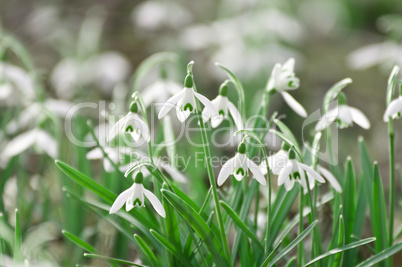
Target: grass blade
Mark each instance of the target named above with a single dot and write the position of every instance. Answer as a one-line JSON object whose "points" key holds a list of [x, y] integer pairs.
{"points": [[18, 257], [79, 242], [289, 247], [170, 247], [341, 249], [381, 256], [241, 225], [112, 260], [147, 251]]}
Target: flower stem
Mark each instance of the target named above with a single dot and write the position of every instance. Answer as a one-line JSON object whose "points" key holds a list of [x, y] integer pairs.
{"points": [[212, 182], [392, 181], [300, 248]]}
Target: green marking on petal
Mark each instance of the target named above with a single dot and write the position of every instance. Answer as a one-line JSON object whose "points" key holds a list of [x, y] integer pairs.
{"points": [[296, 176], [221, 112], [290, 84], [129, 128], [240, 170], [189, 107], [137, 201]]}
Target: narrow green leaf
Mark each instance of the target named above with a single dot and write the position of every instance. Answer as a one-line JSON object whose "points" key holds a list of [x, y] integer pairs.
{"points": [[288, 140], [381, 256], [341, 249], [380, 222], [341, 242], [86, 182], [349, 199], [18, 257], [392, 80], [76, 240], [241, 225], [112, 260], [174, 250], [334, 91], [287, 132], [147, 251], [291, 245], [199, 225]]}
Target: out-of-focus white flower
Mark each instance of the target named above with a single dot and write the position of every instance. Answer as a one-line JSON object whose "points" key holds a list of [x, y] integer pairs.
{"points": [[13, 77], [185, 102], [154, 15], [114, 153], [43, 141], [65, 77], [133, 124], [224, 107], [160, 91], [239, 167], [36, 111], [134, 197], [284, 79], [394, 109], [294, 172], [345, 114], [277, 161]]}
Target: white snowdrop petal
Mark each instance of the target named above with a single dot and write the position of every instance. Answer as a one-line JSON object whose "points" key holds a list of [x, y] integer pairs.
{"points": [[121, 199], [311, 172], [327, 119], [143, 128], [330, 178], [296, 106], [345, 114], [19, 144], [276, 76], [107, 165], [289, 65], [359, 118], [47, 143], [256, 171], [235, 115], [284, 173], [95, 153], [289, 183], [226, 170], [155, 202], [170, 103], [263, 167], [393, 108], [205, 101], [116, 128]]}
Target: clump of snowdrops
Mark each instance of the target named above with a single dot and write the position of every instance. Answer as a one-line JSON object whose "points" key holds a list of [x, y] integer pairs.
{"points": [[242, 218]]}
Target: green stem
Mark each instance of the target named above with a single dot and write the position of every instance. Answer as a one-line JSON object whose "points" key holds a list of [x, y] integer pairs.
{"points": [[300, 247], [392, 181]]}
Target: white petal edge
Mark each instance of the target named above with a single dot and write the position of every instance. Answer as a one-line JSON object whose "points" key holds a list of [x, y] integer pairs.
{"points": [[327, 119], [115, 130], [296, 106], [393, 108], [235, 115], [330, 178], [256, 171], [121, 199], [155, 202], [312, 172], [284, 173], [359, 118], [226, 170], [207, 103], [170, 103], [19, 144]]}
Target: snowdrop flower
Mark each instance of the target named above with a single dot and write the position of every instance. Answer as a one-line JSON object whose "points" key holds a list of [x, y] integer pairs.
{"points": [[345, 114], [43, 141], [330, 178], [277, 161], [134, 197], [295, 172], [185, 102], [284, 79], [224, 107], [394, 109], [13, 78], [133, 124], [239, 166], [160, 91], [114, 153]]}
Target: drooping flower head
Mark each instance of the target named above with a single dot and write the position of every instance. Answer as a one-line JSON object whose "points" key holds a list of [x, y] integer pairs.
{"points": [[394, 109], [284, 79], [239, 167], [344, 114], [277, 161], [296, 172], [224, 107], [132, 124], [185, 102], [134, 197]]}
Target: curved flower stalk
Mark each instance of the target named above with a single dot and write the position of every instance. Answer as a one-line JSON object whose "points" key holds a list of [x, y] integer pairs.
{"points": [[239, 167], [185, 102], [345, 114], [132, 124], [134, 197], [38, 138], [295, 172], [224, 107], [284, 79], [394, 109]]}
